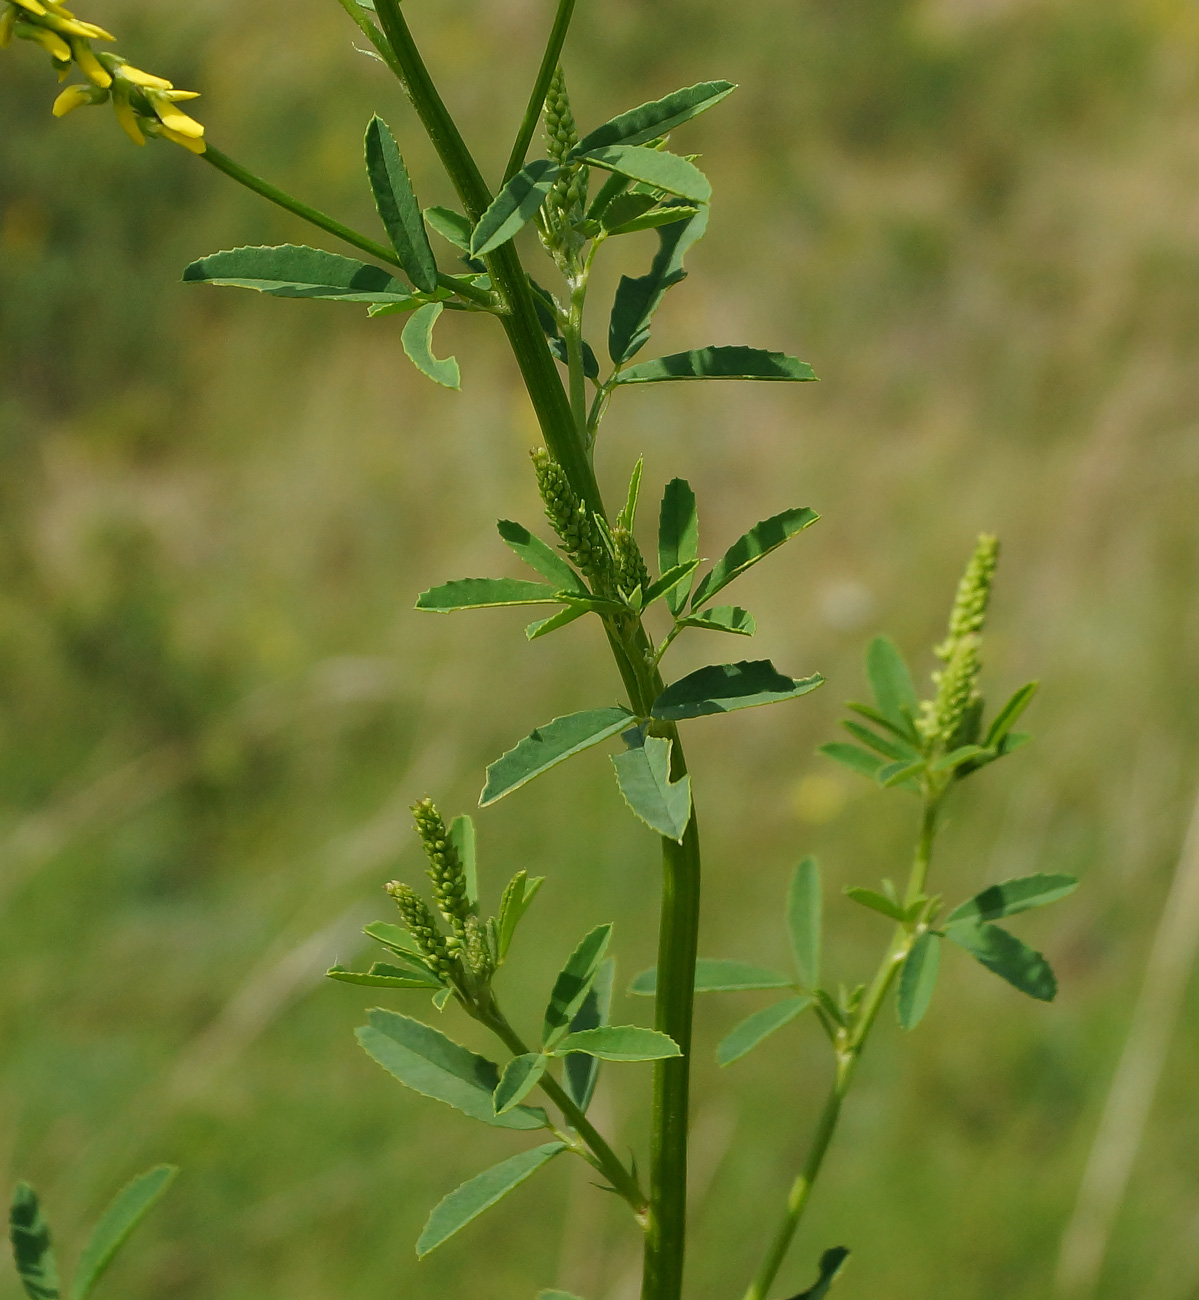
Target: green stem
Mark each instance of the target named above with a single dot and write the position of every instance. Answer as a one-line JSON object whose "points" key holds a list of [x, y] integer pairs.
{"points": [[545, 74], [573, 334]]}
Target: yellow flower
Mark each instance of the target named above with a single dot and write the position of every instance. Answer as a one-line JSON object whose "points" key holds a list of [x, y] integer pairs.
{"points": [[163, 103], [88, 64], [75, 97], [51, 42]]}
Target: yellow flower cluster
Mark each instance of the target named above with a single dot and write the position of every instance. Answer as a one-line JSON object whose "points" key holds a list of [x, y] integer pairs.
{"points": [[144, 104]]}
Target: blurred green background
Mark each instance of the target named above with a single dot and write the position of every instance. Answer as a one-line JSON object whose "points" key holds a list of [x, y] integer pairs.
{"points": [[978, 220]]}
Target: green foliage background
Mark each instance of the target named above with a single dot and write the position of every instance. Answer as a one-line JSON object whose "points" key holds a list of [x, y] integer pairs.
{"points": [[976, 218]]}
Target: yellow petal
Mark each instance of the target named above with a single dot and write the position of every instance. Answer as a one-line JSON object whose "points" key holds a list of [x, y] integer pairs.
{"points": [[89, 65], [176, 95], [51, 42], [173, 118], [146, 79], [128, 119], [196, 145], [33, 6], [8, 20], [72, 98]]}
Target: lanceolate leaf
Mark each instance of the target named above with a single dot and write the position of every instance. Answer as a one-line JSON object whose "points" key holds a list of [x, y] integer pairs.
{"points": [[295, 271], [417, 338], [853, 756], [392, 936], [670, 583], [1004, 954], [648, 121], [716, 975], [831, 1263], [751, 1031], [719, 363], [628, 516], [643, 773], [627, 207], [521, 1075], [892, 684], [876, 902], [620, 1043], [398, 208], [678, 536], [580, 1070], [428, 1062], [514, 904], [513, 206], [1006, 718], [653, 219], [462, 837], [382, 975], [544, 626], [548, 746], [131, 1205], [537, 555], [637, 299], [889, 746], [573, 984], [753, 546], [481, 1193], [723, 618], [484, 593], [665, 171], [30, 1236], [721, 688], [452, 226], [804, 921], [918, 979], [1013, 896]]}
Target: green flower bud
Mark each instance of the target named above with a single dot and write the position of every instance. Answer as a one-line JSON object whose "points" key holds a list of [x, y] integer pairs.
{"points": [[561, 135], [581, 536], [631, 571], [423, 928], [479, 957], [445, 867], [973, 595], [957, 696]]}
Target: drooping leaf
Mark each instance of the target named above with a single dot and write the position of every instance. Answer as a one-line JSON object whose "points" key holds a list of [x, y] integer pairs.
{"points": [[665, 171], [428, 1062], [132, 1203], [540, 556], [573, 984], [670, 584], [649, 121], [643, 774], [296, 271], [831, 1263], [892, 684], [397, 205], [580, 1070], [723, 618], [638, 299], [467, 1202], [550, 745], [394, 937], [747, 550], [804, 920], [452, 226], [462, 837], [718, 975], [719, 363], [513, 206], [876, 902], [1012, 896], [32, 1253], [417, 338], [521, 1075], [544, 626], [1004, 954], [519, 893], [721, 688], [678, 537], [620, 1043], [918, 979], [752, 1030], [485, 593], [1006, 718], [382, 975], [853, 756]]}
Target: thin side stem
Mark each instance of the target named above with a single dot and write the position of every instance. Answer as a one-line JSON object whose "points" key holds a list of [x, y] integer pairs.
{"points": [[545, 74]]}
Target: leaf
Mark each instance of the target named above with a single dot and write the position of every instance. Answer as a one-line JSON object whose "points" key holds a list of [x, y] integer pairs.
{"points": [[918, 979], [628, 515], [877, 902], [669, 583], [903, 733], [638, 299], [852, 756], [620, 1043], [751, 1031], [452, 226], [717, 975], [397, 205], [654, 218], [590, 361], [417, 338], [462, 837], [719, 363], [648, 121], [831, 1263], [467, 1202], [678, 536], [513, 206], [428, 1062], [804, 909], [32, 1253], [610, 190], [643, 774], [519, 893], [547, 625], [892, 684], [296, 271], [899, 773], [521, 1075], [394, 937], [556, 1295], [485, 593], [381, 975], [573, 983], [626, 207], [1004, 954], [131, 1204], [955, 758], [747, 550], [723, 618], [665, 171], [1006, 718], [580, 1070], [549, 745], [1013, 896], [721, 688], [896, 750], [538, 555]]}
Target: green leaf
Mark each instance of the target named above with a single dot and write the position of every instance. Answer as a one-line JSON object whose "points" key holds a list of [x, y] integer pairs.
{"points": [[678, 537], [896, 750], [751, 1031], [428, 1062], [670, 584], [853, 756], [397, 205], [550, 745], [609, 191], [543, 627], [892, 685], [381, 975], [877, 902], [1006, 718], [295, 271], [590, 360], [804, 909], [654, 218], [831, 1263], [462, 837], [721, 688], [627, 207], [723, 618], [649, 121], [643, 774], [485, 593], [573, 983], [467, 1202], [417, 338], [519, 893], [521, 1075], [719, 363], [452, 226], [899, 773], [952, 761], [541, 557], [665, 171], [628, 516], [30, 1236], [903, 733], [918, 979], [747, 550], [394, 937], [513, 206], [620, 1043], [581, 1070], [717, 975], [1004, 954], [132, 1203], [638, 299], [1012, 896], [556, 1295]]}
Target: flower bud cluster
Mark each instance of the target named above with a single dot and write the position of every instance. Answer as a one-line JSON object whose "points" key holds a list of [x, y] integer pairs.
{"points": [[565, 202], [581, 536], [477, 948], [445, 868], [631, 570], [419, 921], [973, 595]]}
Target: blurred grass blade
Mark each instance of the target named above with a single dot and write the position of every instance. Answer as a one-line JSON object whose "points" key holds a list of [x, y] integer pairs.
{"points": [[417, 339], [649, 121], [754, 1029], [748, 549], [620, 1043], [573, 982], [33, 1255], [549, 745], [678, 537], [131, 1205], [513, 206], [717, 975], [581, 1070], [1004, 954], [643, 774], [719, 363], [918, 979], [397, 205], [296, 271], [722, 688], [804, 921], [1013, 896]]}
